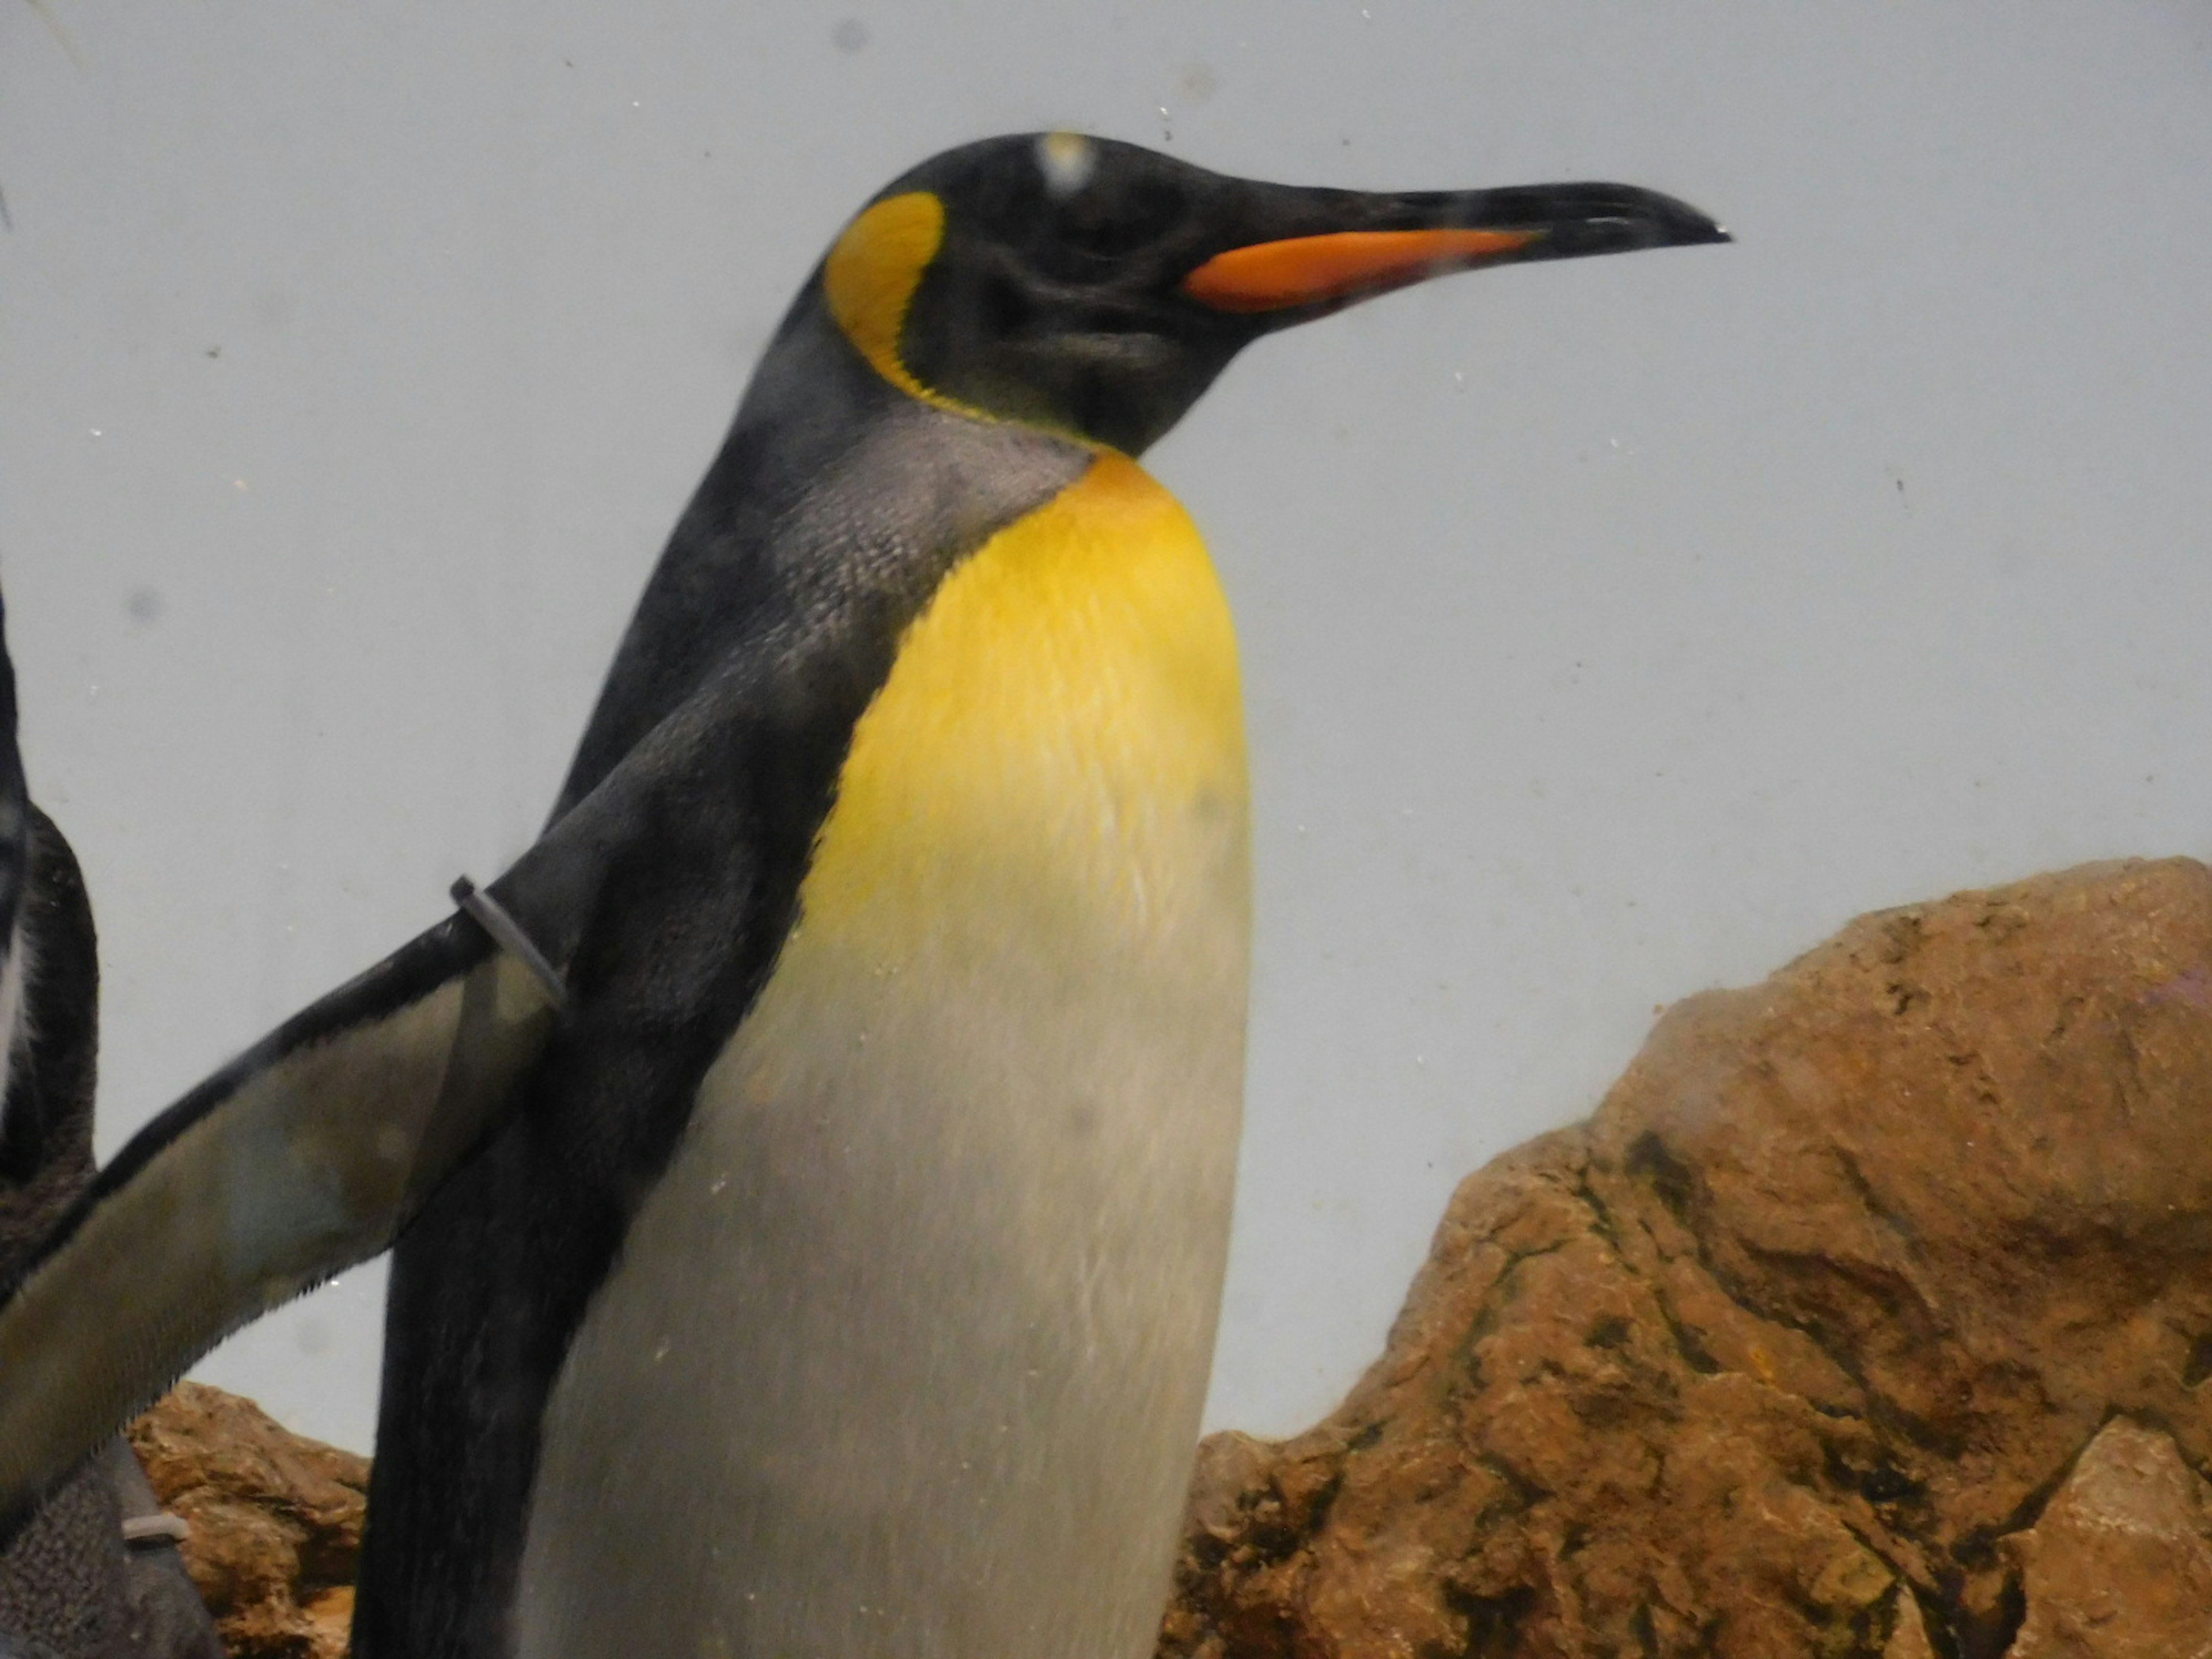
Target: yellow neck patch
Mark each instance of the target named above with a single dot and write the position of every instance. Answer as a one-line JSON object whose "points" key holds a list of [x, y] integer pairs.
{"points": [[871, 275]]}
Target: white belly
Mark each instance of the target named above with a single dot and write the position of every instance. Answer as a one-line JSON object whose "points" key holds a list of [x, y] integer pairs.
{"points": [[906, 1352]]}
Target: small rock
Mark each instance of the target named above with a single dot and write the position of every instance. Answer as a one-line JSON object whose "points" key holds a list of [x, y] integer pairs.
{"points": [[2120, 1565], [1908, 1634], [276, 1521]]}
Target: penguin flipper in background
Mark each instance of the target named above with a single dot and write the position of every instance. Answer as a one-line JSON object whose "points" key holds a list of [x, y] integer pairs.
{"points": [[302, 1157]]}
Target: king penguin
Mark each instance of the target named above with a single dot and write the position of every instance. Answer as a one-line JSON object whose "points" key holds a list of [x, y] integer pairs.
{"points": [[93, 1572], [815, 1154]]}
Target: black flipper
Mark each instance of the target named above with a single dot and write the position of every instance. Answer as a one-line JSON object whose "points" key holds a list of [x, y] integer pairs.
{"points": [[302, 1157], [298, 1160]]}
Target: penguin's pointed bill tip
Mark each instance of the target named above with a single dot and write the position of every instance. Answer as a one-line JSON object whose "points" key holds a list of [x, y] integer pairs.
{"points": [[1407, 240]]}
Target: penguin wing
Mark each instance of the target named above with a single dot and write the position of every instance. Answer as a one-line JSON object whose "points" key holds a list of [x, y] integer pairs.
{"points": [[299, 1159]]}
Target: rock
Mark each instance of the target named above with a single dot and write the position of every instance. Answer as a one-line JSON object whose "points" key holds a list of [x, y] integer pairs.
{"points": [[2120, 1562], [1908, 1634], [276, 1521], [1831, 1334]]}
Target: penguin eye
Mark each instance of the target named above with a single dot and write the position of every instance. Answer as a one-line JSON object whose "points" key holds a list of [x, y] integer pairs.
{"points": [[1111, 224]]}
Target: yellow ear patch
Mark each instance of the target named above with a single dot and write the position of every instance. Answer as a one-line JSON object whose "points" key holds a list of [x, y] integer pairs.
{"points": [[871, 275]]}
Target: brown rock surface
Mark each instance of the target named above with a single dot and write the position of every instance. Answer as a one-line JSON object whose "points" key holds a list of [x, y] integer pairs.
{"points": [[2120, 1562], [276, 1521], [1804, 1343]]}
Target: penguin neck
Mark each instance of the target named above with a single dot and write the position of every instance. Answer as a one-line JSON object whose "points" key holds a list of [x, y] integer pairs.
{"points": [[835, 507]]}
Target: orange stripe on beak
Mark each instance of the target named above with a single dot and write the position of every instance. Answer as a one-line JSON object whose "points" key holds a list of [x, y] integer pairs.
{"points": [[1307, 269]]}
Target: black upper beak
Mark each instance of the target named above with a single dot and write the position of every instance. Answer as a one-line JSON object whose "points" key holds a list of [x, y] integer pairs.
{"points": [[1297, 249], [1574, 220]]}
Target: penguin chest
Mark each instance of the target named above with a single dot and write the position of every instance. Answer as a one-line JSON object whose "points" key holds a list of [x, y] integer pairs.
{"points": [[905, 1354]]}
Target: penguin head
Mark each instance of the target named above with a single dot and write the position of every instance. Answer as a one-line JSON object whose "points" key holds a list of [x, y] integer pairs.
{"points": [[1096, 289]]}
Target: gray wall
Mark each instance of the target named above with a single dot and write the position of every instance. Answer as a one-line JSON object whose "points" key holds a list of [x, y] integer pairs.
{"points": [[1612, 630]]}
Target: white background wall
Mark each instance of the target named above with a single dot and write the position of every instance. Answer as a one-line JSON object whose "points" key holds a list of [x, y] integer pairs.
{"points": [[1612, 629]]}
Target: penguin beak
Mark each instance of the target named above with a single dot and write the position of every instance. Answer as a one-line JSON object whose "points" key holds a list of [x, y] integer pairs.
{"points": [[1385, 242]]}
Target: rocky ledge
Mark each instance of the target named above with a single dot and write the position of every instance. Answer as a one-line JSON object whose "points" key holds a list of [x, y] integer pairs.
{"points": [[1871, 1315]]}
